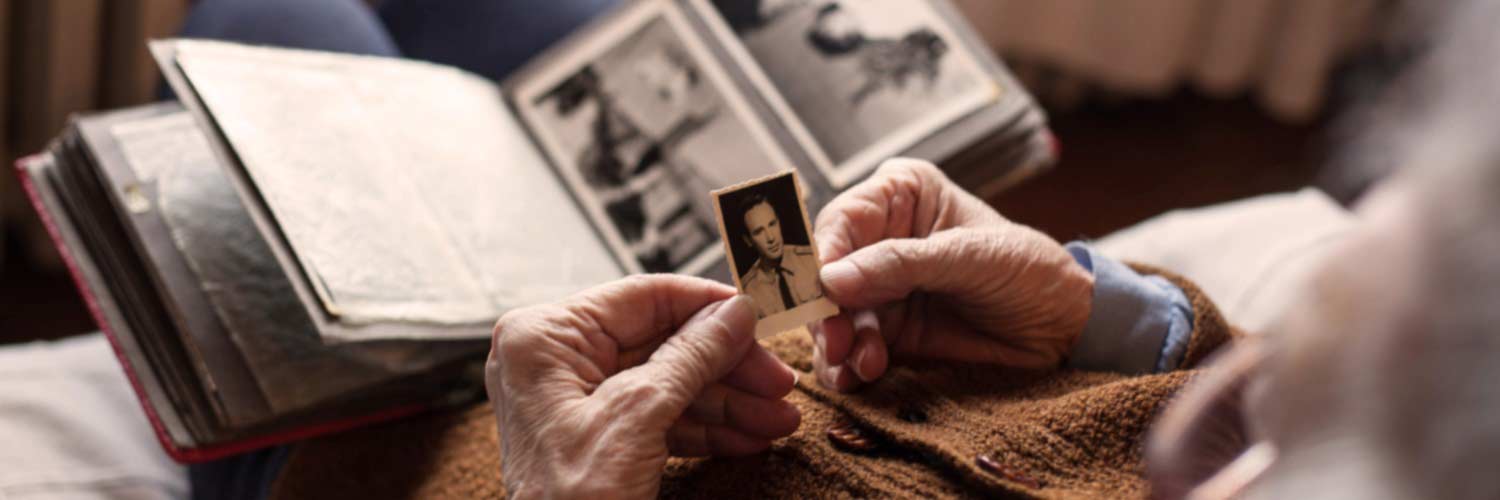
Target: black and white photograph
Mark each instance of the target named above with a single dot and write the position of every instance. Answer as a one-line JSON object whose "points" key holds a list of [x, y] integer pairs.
{"points": [[856, 81], [768, 241], [642, 123]]}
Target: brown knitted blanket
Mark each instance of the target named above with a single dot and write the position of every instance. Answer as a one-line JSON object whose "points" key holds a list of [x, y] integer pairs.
{"points": [[921, 431]]}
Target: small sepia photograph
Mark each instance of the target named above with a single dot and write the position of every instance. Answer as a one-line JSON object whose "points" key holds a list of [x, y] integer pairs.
{"points": [[855, 81], [641, 122], [768, 241]]}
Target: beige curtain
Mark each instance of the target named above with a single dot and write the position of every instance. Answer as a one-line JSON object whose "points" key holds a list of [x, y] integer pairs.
{"points": [[60, 57], [1279, 51]]}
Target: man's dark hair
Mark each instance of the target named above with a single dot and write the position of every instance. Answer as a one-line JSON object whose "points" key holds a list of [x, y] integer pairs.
{"points": [[751, 201]]}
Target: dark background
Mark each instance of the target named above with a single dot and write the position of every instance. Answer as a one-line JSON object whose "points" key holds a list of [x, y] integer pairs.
{"points": [[782, 193]]}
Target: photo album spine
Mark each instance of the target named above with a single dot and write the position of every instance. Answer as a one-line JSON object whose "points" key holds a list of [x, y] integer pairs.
{"points": [[24, 171], [138, 371]]}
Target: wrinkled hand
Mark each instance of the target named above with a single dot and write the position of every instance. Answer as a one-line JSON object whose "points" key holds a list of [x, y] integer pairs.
{"points": [[594, 392], [923, 269]]}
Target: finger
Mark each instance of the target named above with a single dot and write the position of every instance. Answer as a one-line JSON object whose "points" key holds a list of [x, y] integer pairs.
{"points": [[837, 377], [641, 311], [950, 262], [949, 338], [834, 337], [883, 206], [905, 198], [612, 326], [762, 374], [704, 350], [961, 344], [870, 357], [744, 412], [692, 439]]}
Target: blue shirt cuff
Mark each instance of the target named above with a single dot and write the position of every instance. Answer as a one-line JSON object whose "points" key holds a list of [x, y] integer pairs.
{"points": [[1138, 324]]}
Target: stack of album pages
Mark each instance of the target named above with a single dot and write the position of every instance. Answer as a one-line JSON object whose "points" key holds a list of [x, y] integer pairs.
{"points": [[306, 241]]}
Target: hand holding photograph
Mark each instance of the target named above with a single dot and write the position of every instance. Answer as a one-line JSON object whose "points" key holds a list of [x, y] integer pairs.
{"points": [[768, 241]]}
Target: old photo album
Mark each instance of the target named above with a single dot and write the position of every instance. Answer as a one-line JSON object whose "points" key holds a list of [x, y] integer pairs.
{"points": [[304, 242]]}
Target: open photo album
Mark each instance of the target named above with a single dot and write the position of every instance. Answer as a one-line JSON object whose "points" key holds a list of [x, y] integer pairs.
{"points": [[306, 242]]}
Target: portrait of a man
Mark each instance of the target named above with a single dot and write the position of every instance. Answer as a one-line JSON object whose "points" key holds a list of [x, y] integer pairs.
{"points": [[768, 242], [783, 275]]}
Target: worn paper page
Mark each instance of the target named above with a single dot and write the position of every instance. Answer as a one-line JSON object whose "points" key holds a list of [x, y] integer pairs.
{"points": [[252, 298], [406, 190]]}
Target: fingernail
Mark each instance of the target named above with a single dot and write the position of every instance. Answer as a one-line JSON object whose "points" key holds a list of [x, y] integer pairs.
{"points": [[821, 349], [839, 275], [828, 377], [790, 370], [860, 367]]}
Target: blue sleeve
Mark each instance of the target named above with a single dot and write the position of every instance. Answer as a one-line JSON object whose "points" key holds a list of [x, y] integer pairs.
{"points": [[1138, 324]]}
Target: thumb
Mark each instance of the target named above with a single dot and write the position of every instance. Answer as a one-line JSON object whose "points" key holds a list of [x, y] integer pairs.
{"points": [[706, 348], [954, 262]]}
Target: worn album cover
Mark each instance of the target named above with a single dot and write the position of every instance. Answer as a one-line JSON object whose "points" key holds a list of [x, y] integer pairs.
{"points": [[400, 199]]}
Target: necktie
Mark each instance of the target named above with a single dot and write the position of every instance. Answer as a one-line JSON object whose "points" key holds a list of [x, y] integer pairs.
{"points": [[786, 294]]}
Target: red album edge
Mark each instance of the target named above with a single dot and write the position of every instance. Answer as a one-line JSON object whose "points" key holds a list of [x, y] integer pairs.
{"points": [[181, 454]]}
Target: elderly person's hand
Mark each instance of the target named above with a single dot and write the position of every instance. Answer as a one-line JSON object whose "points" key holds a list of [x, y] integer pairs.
{"points": [[594, 392], [924, 270]]}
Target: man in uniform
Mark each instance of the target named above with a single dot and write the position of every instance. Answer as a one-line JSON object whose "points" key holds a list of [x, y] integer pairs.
{"points": [[784, 276]]}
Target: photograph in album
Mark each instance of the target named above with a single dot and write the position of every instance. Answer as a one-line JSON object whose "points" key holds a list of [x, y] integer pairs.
{"points": [[641, 125], [855, 81]]}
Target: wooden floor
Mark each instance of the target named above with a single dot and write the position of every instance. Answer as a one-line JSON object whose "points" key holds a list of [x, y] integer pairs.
{"points": [[1121, 162]]}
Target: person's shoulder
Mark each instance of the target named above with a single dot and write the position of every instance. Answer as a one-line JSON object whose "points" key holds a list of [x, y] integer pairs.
{"points": [[801, 257], [801, 253], [754, 272]]}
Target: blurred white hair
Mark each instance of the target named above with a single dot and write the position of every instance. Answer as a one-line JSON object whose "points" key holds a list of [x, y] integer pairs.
{"points": [[1418, 404]]}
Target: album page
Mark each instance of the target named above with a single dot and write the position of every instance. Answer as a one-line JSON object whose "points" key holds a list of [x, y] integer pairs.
{"points": [[854, 82], [642, 120], [406, 191]]}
